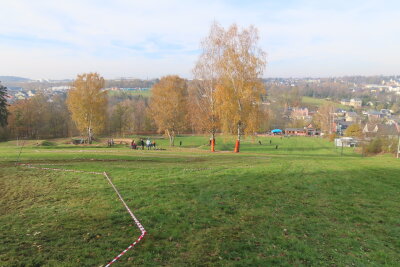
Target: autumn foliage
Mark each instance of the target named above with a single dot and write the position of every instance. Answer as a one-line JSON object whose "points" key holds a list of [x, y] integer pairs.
{"points": [[224, 97], [87, 103], [354, 130], [168, 106], [229, 86]]}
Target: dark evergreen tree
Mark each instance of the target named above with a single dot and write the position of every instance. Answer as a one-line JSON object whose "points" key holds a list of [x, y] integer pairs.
{"points": [[3, 106]]}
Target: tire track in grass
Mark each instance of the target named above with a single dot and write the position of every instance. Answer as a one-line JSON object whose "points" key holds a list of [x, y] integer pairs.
{"points": [[104, 174]]}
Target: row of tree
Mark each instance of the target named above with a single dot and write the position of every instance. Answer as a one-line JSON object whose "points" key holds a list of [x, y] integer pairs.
{"points": [[44, 116], [225, 96]]}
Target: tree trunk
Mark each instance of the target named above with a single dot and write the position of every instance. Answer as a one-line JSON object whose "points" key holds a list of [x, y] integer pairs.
{"points": [[237, 145], [213, 142], [171, 135], [89, 135]]}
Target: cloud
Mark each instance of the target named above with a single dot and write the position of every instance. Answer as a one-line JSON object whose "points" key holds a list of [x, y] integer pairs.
{"points": [[58, 39]]}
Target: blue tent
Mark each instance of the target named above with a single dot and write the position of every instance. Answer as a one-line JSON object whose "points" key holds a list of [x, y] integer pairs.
{"points": [[276, 131]]}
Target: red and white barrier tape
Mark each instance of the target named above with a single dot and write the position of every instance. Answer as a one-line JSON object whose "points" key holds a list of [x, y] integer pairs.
{"points": [[137, 222], [139, 225]]}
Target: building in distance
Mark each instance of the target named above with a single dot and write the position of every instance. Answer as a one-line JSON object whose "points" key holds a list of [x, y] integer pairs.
{"points": [[354, 102]]}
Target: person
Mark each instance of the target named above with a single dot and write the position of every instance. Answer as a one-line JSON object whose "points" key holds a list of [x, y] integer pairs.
{"points": [[134, 146], [142, 143], [148, 144], [154, 145], [133, 141]]}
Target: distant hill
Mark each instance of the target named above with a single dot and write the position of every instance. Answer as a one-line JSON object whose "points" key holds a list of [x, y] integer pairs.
{"points": [[8, 79]]}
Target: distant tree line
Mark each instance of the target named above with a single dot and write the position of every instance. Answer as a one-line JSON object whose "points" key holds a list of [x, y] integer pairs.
{"points": [[130, 83], [330, 90]]}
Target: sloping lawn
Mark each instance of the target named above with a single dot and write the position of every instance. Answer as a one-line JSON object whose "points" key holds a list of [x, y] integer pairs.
{"points": [[300, 204]]}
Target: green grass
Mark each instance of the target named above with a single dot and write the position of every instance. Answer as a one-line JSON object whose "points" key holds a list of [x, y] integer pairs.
{"points": [[144, 93], [300, 204], [317, 102]]}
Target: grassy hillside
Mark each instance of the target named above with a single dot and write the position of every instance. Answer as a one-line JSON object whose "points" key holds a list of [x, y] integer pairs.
{"points": [[316, 102], [300, 204], [130, 93]]}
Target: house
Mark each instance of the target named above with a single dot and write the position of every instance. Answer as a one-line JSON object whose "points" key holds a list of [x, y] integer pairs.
{"points": [[378, 129], [312, 131], [296, 131], [386, 113], [20, 95], [345, 142], [340, 112], [374, 115], [341, 126], [354, 102], [300, 113], [393, 121], [351, 116], [31, 93], [369, 103], [345, 102]]}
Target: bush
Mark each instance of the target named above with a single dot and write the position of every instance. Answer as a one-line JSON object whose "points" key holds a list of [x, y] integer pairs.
{"points": [[390, 145], [332, 137], [47, 143], [375, 146], [354, 130]]}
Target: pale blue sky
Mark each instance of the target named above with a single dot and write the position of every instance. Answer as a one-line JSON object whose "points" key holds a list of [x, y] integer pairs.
{"points": [[58, 39]]}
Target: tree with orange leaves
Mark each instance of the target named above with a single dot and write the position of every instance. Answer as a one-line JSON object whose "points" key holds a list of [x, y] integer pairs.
{"points": [[87, 103], [168, 106], [228, 88], [238, 93]]}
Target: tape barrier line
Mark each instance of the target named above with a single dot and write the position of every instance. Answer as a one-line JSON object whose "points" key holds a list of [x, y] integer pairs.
{"points": [[137, 222]]}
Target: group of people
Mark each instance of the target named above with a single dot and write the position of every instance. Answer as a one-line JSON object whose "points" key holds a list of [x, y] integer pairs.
{"points": [[149, 144]]}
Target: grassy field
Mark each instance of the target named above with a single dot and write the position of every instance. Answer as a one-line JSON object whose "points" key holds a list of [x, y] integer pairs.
{"points": [[144, 93], [300, 204], [316, 102]]}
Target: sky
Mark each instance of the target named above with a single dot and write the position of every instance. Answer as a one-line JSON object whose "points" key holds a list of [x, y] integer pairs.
{"points": [[149, 39]]}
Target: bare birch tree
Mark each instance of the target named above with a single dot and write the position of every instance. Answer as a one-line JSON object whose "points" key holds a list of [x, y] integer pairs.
{"points": [[206, 74]]}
